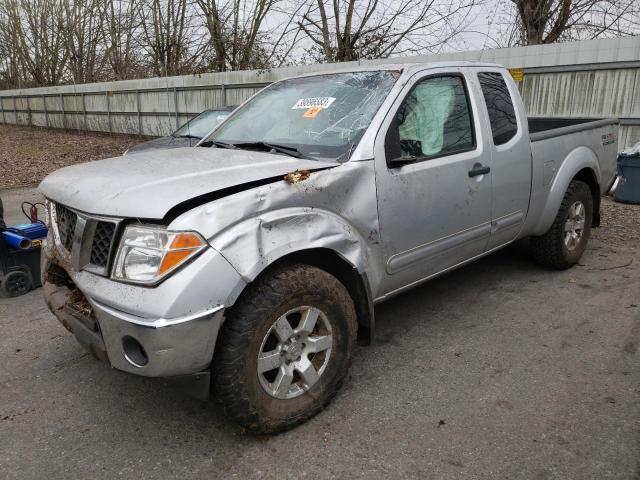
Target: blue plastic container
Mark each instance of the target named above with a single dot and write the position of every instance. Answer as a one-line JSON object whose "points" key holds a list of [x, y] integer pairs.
{"points": [[629, 190], [16, 241], [32, 231]]}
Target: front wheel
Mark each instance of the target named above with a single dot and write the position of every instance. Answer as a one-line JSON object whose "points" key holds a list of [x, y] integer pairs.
{"points": [[285, 348], [565, 242]]}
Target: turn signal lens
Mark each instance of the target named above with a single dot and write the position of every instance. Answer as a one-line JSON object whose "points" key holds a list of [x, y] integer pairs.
{"points": [[173, 259], [186, 240]]}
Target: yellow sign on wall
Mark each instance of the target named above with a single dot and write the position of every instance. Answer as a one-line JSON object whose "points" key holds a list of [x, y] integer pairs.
{"points": [[517, 74]]}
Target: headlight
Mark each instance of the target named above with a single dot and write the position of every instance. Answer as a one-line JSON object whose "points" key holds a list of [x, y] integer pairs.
{"points": [[147, 254]]}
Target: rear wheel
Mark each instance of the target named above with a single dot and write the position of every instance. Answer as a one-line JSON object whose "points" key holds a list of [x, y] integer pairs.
{"points": [[285, 348], [565, 242]]}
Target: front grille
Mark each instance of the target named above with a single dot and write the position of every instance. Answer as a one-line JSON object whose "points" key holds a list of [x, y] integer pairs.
{"points": [[101, 246], [96, 239], [66, 223]]}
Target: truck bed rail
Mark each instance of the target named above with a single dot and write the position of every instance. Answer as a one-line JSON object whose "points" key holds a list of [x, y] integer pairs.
{"points": [[541, 128]]}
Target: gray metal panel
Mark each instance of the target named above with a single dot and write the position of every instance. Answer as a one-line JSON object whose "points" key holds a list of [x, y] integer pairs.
{"points": [[629, 136], [200, 99], [123, 123], [123, 102], [604, 93]]}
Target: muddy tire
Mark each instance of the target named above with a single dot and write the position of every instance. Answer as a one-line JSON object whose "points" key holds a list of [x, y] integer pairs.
{"points": [[285, 348], [565, 242]]}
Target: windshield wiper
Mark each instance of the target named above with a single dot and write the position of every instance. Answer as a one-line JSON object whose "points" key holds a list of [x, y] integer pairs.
{"points": [[188, 136], [216, 143], [291, 151]]}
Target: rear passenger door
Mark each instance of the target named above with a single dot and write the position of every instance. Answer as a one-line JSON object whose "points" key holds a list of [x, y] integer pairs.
{"points": [[510, 155]]}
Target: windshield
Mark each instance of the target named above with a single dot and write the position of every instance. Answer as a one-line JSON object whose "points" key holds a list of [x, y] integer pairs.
{"points": [[202, 124], [322, 116]]}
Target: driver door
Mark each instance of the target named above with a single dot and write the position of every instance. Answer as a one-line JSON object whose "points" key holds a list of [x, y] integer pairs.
{"points": [[433, 180]]}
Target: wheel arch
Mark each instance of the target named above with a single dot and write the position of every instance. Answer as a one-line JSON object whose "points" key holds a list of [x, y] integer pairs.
{"points": [[588, 176], [357, 283], [580, 164]]}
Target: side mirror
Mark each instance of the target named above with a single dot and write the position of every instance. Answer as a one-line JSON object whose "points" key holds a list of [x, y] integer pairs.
{"points": [[395, 149]]}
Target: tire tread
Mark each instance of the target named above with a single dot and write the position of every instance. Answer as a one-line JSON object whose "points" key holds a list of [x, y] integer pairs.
{"points": [[236, 334], [547, 249]]}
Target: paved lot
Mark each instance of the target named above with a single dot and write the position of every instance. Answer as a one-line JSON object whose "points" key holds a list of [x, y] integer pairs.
{"points": [[498, 370]]}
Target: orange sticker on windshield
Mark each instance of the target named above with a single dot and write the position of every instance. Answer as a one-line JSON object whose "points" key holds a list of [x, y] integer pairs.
{"points": [[312, 112]]}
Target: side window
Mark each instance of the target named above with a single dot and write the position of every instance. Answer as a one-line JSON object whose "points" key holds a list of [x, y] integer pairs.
{"points": [[502, 116], [433, 120]]}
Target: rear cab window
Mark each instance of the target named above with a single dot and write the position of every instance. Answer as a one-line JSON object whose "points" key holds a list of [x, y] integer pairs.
{"points": [[502, 115]]}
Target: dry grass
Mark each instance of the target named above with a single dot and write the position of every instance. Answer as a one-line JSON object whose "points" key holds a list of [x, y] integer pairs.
{"points": [[28, 154]]}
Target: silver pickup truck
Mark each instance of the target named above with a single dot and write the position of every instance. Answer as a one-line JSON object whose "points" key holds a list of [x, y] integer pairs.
{"points": [[249, 265]]}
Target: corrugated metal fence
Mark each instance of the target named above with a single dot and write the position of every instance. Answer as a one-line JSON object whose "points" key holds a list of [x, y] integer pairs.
{"points": [[142, 111], [597, 78]]}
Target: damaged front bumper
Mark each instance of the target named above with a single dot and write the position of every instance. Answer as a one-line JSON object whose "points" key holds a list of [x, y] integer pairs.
{"points": [[153, 348], [166, 331]]}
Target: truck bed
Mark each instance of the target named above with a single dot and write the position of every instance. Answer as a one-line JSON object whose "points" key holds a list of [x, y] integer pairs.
{"points": [[556, 143]]}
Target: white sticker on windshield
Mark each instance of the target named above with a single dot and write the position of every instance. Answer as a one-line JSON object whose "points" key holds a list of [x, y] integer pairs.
{"points": [[320, 102]]}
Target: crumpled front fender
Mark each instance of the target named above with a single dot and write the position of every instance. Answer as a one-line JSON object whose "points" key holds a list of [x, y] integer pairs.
{"points": [[254, 244], [333, 209]]}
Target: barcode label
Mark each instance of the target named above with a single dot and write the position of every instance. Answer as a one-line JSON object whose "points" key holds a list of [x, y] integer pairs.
{"points": [[321, 102]]}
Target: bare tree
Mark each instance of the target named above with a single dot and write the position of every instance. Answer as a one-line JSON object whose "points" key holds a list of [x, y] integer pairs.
{"points": [[353, 29], [239, 34], [122, 31], [37, 33], [169, 38], [11, 73], [548, 21], [84, 39]]}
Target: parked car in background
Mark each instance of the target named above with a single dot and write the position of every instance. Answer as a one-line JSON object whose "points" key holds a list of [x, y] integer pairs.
{"points": [[252, 261], [189, 134]]}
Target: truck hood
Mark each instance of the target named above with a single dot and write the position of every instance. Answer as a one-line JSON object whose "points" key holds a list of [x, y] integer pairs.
{"points": [[162, 143], [149, 184]]}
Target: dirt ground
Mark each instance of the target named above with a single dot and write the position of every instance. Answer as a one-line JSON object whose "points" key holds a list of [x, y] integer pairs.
{"points": [[27, 154]]}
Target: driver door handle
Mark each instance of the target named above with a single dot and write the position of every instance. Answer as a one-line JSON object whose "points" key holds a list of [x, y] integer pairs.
{"points": [[478, 169]]}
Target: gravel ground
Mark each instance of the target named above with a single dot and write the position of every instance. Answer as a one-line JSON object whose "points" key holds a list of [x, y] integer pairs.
{"points": [[29, 154], [620, 223]]}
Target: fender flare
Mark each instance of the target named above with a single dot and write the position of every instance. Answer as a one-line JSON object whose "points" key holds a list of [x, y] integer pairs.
{"points": [[578, 159]]}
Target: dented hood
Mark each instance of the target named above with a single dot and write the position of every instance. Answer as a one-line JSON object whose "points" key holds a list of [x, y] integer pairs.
{"points": [[149, 184]]}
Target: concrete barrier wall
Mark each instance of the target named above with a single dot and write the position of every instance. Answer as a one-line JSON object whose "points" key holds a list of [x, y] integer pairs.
{"points": [[597, 78]]}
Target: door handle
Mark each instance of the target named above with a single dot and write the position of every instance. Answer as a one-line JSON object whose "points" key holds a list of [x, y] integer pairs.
{"points": [[478, 169]]}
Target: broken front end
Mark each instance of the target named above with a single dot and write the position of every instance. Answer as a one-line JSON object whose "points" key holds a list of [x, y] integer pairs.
{"points": [[124, 293]]}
